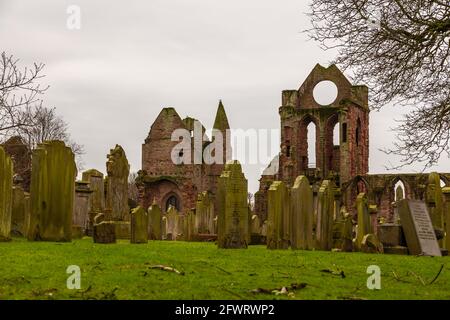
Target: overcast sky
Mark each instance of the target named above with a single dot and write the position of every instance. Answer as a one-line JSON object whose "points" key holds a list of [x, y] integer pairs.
{"points": [[110, 79]]}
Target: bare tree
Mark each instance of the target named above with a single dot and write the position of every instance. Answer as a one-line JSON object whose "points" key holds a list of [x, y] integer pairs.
{"points": [[43, 125], [19, 91], [133, 193], [401, 50]]}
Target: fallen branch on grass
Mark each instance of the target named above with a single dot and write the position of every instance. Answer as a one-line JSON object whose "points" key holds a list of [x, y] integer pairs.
{"points": [[165, 268], [437, 276], [282, 290]]}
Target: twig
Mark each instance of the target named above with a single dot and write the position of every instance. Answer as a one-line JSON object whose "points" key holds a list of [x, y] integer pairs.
{"points": [[165, 268], [417, 277], [437, 276]]}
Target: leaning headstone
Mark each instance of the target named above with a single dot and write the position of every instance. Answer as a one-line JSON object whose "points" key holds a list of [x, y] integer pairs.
{"points": [[418, 228], [52, 192], [325, 212], [116, 184], [364, 219], [301, 201], [6, 181], [278, 233], [154, 215], [233, 209], [81, 206], [139, 225], [446, 193], [20, 217]]}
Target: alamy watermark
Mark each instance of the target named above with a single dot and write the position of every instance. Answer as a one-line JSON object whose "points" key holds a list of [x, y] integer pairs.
{"points": [[74, 280]]}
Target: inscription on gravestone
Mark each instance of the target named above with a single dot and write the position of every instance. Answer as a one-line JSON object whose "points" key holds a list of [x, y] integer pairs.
{"points": [[418, 229]]}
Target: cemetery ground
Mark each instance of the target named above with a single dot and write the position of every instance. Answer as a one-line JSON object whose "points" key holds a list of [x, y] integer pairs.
{"points": [[37, 270]]}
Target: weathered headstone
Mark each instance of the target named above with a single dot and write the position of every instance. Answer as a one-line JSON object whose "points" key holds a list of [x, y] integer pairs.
{"points": [[256, 225], [180, 227], [204, 212], [139, 225], [435, 201], [446, 193], [81, 206], [233, 210], [6, 180], [189, 225], [154, 215], [371, 244], [164, 228], [278, 233], [116, 184], [20, 219], [97, 197], [52, 192], [123, 230], [171, 216], [302, 216], [325, 212], [104, 232], [418, 228], [364, 219]]}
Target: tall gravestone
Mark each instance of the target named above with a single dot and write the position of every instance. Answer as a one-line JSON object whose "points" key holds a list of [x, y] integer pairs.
{"points": [[6, 180], [204, 213], [278, 215], [325, 212], [97, 197], [435, 201], [81, 208], [20, 217], [302, 216], [139, 225], [364, 220], [446, 193], [418, 228], [172, 230], [189, 225], [233, 210], [116, 185], [52, 192], [154, 215]]}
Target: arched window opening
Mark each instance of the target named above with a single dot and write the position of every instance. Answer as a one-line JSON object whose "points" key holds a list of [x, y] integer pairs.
{"points": [[443, 184], [311, 145], [336, 135], [399, 191], [172, 201]]}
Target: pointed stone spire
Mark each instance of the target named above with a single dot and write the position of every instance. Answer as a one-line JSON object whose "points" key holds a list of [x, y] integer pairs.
{"points": [[221, 121]]}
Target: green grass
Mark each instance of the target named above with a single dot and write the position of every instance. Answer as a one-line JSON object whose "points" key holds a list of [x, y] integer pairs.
{"points": [[37, 270]]}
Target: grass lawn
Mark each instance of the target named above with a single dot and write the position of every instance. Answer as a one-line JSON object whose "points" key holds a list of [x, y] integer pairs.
{"points": [[37, 270]]}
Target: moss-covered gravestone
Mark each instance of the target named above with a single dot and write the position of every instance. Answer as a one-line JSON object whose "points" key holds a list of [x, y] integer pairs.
{"points": [[139, 225], [233, 210], [20, 219], [6, 179], [446, 193], [116, 185], [52, 192], [97, 197], [278, 215], [364, 220], [154, 216], [302, 216], [189, 225], [325, 212], [172, 223], [164, 227], [435, 201], [204, 213]]}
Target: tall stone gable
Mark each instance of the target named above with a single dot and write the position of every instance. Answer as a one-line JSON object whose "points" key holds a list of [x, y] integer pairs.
{"points": [[169, 183]]}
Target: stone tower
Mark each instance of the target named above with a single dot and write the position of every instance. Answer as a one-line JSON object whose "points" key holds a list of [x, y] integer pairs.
{"points": [[349, 111]]}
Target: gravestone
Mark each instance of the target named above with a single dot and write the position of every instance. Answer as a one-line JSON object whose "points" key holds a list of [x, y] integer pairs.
{"points": [[164, 227], [302, 216], [123, 229], [154, 215], [232, 207], [204, 213], [97, 197], [278, 233], [418, 228], [116, 185], [325, 212], [20, 214], [6, 193], [255, 225], [171, 216], [104, 232], [52, 192], [446, 193], [435, 201], [81, 206], [189, 225], [364, 219], [180, 227], [139, 225]]}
